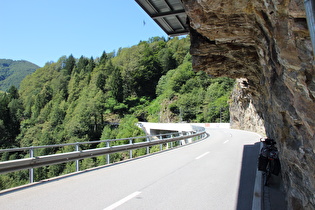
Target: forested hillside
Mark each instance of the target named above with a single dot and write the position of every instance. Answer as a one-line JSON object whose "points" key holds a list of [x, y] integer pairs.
{"points": [[75, 100], [13, 72]]}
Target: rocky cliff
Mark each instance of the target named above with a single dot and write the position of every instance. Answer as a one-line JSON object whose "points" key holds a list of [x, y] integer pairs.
{"points": [[266, 45]]}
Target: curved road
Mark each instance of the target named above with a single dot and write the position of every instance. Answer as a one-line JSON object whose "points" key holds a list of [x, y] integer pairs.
{"points": [[216, 173]]}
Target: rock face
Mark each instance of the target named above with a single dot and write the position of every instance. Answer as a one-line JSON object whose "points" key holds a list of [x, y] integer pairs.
{"points": [[266, 45]]}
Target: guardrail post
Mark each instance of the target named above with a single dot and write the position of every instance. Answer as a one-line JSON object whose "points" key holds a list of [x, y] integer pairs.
{"points": [[192, 139], [31, 171], [130, 151], [107, 156], [161, 145], [148, 148], [180, 141], [77, 161]]}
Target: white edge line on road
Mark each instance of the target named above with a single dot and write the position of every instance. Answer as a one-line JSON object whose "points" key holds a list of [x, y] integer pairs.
{"points": [[226, 141], [122, 201], [200, 156]]}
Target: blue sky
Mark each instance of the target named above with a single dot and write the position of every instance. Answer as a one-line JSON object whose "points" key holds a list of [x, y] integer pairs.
{"points": [[44, 30]]}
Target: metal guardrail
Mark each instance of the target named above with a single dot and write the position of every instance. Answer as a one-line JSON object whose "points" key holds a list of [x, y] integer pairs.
{"points": [[34, 162]]}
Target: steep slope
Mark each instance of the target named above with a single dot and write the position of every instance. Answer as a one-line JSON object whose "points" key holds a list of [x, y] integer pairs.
{"points": [[79, 100], [13, 72]]}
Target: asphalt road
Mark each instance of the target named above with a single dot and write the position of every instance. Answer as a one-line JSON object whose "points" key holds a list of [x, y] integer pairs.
{"points": [[216, 173]]}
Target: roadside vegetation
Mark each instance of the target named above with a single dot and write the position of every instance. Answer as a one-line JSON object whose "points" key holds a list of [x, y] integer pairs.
{"points": [[85, 99]]}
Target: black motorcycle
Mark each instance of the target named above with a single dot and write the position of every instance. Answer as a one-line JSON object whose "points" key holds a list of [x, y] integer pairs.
{"points": [[268, 161]]}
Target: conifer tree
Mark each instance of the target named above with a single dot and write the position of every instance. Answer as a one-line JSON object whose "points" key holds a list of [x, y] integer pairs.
{"points": [[70, 64], [13, 92], [91, 65], [103, 58]]}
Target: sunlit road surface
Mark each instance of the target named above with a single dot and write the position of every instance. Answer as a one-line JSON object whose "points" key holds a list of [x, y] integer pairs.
{"points": [[216, 173]]}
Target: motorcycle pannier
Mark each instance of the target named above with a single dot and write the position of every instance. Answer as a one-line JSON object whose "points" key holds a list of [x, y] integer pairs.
{"points": [[262, 163], [277, 167]]}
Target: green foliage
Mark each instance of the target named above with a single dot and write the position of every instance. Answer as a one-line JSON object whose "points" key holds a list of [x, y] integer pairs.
{"points": [[127, 127], [69, 65], [185, 95], [14, 179], [85, 99], [11, 110], [13, 72]]}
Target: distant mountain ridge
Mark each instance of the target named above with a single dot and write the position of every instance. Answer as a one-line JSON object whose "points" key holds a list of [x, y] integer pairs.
{"points": [[13, 72]]}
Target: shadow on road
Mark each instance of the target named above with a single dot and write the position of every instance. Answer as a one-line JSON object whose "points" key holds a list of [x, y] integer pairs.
{"points": [[248, 175]]}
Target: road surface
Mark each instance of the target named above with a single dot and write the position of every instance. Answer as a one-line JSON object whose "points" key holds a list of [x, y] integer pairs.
{"points": [[216, 173]]}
